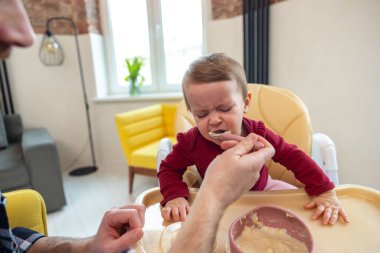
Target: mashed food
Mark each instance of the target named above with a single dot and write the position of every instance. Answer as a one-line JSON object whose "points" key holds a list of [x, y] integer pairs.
{"points": [[218, 133], [263, 239]]}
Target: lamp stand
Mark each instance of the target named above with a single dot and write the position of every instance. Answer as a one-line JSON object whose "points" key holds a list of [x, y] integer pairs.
{"points": [[87, 169]]}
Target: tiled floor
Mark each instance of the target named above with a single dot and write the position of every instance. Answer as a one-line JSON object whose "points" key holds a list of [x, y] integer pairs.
{"points": [[90, 196]]}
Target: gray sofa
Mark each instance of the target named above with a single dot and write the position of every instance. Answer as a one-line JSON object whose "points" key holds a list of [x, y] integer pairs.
{"points": [[31, 160]]}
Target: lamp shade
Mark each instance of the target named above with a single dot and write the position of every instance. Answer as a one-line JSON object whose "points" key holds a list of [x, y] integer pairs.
{"points": [[51, 52]]}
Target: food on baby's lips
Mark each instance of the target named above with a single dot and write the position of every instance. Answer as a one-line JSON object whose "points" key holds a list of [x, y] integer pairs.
{"points": [[216, 134]]}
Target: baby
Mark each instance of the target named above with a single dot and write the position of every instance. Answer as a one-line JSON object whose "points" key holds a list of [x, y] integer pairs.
{"points": [[215, 91]]}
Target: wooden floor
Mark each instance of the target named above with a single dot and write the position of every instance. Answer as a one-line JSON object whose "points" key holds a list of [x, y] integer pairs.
{"points": [[90, 196]]}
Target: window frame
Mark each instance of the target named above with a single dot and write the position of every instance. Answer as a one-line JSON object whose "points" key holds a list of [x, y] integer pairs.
{"points": [[157, 54]]}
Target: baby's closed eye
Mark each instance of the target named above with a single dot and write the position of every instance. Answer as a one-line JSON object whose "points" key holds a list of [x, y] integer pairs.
{"points": [[227, 109], [200, 114]]}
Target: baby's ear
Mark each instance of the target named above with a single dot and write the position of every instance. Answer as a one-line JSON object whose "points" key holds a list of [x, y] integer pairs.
{"points": [[247, 101]]}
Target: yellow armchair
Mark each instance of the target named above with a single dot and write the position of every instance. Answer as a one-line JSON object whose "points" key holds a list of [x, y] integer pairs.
{"points": [[26, 208], [140, 132]]}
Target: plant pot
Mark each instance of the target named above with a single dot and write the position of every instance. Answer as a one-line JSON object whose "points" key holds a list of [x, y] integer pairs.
{"points": [[134, 89]]}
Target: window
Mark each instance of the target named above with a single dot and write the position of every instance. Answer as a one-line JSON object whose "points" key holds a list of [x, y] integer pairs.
{"points": [[167, 33]]}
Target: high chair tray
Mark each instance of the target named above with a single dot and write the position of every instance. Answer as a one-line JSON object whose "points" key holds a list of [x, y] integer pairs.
{"points": [[360, 235]]}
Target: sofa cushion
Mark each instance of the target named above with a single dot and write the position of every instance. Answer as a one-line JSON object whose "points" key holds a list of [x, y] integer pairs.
{"points": [[3, 133], [13, 171], [146, 156], [13, 127]]}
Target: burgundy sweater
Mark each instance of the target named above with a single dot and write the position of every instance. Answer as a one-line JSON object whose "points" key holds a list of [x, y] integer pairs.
{"points": [[193, 149]]}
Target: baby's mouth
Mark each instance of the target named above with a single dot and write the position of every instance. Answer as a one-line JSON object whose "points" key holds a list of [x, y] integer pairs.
{"points": [[217, 134]]}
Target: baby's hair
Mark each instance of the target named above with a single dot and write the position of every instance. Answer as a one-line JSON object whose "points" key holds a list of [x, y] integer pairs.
{"points": [[214, 68]]}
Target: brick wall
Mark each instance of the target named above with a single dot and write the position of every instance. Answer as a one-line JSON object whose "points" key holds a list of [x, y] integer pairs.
{"points": [[85, 14], [222, 9]]}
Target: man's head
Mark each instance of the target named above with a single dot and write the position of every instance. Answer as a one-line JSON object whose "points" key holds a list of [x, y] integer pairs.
{"points": [[15, 27], [215, 91]]}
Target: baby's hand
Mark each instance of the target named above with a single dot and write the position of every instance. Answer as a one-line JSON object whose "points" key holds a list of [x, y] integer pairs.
{"points": [[175, 209], [329, 205]]}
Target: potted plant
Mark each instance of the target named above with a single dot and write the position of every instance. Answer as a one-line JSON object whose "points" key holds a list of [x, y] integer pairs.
{"points": [[134, 77]]}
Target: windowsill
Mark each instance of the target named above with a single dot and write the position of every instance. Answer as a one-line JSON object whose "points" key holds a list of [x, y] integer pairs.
{"points": [[142, 97]]}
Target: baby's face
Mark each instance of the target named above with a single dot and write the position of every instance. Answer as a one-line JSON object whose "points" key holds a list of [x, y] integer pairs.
{"points": [[217, 106]]}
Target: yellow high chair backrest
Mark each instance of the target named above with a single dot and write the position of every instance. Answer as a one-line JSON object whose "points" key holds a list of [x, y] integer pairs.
{"points": [[280, 110], [26, 208]]}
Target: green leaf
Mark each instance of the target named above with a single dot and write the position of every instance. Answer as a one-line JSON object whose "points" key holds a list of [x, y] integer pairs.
{"points": [[134, 66]]}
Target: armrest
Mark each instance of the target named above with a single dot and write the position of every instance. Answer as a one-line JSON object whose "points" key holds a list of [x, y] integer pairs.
{"points": [[324, 154], [13, 127], [191, 176], [42, 161], [164, 148], [26, 208]]}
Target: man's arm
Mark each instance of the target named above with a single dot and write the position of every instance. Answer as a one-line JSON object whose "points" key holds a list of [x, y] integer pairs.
{"points": [[203, 220], [119, 230], [227, 178], [61, 244]]}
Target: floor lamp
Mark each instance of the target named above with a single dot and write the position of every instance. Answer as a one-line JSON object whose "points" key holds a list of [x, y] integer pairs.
{"points": [[51, 54]]}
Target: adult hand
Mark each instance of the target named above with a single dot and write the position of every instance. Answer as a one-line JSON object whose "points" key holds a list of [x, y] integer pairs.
{"points": [[120, 229], [237, 169], [231, 140]]}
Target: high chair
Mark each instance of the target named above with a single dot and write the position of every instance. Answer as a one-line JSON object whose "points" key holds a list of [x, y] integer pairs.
{"points": [[285, 114]]}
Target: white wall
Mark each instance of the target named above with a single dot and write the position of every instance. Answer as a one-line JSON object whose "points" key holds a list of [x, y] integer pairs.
{"points": [[328, 53], [226, 36]]}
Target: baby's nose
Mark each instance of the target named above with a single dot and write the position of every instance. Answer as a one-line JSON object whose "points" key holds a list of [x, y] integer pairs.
{"points": [[215, 119]]}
